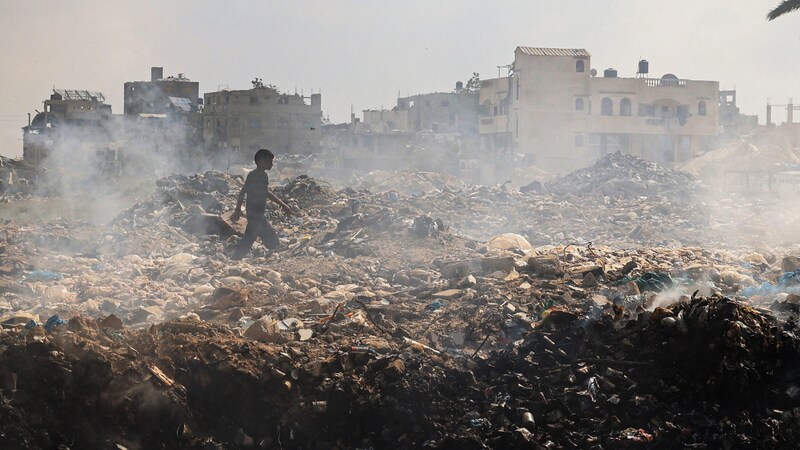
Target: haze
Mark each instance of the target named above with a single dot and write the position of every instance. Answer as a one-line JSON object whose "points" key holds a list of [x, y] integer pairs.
{"points": [[364, 53]]}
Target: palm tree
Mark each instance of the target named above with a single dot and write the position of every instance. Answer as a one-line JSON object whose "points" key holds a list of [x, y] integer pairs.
{"points": [[786, 6]]}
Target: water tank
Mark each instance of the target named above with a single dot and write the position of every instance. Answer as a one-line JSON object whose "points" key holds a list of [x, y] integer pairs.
{"points": [[156, 73], [459, 85], [644, 66], [610, 73]]}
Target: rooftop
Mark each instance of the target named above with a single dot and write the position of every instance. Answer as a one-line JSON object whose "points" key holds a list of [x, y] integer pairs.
{"points": [[542, 51], [74, 94]]}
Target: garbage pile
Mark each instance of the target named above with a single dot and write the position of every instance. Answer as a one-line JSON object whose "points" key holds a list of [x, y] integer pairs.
{"points": [[407, 181], [626, 176], [394, 320], [706, 373]]}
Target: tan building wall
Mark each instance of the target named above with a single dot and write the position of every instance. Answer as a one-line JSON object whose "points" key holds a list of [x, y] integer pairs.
{"points": [[557, 112], [494, 101], [243, 121], [384, 120], [441, 112]]}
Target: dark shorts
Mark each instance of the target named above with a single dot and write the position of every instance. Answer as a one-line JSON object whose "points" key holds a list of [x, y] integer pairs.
{"points": [[257, 227]]}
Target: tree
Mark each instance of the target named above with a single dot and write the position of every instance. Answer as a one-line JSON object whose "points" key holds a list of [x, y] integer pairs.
{"points": [[785, 7], [258, 83], [473, 85]]}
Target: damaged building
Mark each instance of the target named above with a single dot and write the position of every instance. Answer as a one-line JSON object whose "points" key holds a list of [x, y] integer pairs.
{"points": [[239, 122], [438, 112], [82, 115], [159, 95], [164, 114], [559, 111]]}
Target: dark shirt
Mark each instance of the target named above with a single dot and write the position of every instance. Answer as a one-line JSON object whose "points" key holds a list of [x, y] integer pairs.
{"points": [[255, 187]]}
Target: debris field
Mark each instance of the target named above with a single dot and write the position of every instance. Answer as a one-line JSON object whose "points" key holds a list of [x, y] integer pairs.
{"points": [[605, 309]]}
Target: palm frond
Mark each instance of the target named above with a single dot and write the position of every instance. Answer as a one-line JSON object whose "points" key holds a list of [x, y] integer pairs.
{"points": [[786, 6]]}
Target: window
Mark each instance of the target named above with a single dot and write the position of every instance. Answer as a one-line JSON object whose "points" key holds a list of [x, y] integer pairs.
{"points": [[445, 103], [253, 100], [254, 122], [624, 107], [578, 140], [578, 104], [517, 88], [606, 107], [284, 100], [701, 108], [646, 110], [580, 66]]}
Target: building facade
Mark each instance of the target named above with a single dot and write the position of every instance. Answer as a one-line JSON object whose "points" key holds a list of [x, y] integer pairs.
{"points": [[241, 122], [159, 95], [71, 119], [565, 116], [438, 112]]}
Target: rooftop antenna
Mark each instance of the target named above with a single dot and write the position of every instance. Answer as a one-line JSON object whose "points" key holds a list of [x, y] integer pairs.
{"points": [[508, 69]]}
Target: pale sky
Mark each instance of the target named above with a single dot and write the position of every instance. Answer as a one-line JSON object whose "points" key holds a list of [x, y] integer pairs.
{"points": [[362, 53]]}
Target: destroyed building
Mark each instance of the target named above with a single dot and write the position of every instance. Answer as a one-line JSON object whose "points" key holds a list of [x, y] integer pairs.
{"points": [[565, 116], [77, 113], [732, 121], [161, 95], [438, 112], [163, 115], [239, 122]]}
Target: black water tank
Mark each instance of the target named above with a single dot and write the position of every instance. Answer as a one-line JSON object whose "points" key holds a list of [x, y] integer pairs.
{"points": [[610, 73], [644, 66], [459, 85]]}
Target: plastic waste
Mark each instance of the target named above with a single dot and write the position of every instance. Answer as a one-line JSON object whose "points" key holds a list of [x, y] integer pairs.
{"points": [[53, 322], [44, 275], [433, 306]]}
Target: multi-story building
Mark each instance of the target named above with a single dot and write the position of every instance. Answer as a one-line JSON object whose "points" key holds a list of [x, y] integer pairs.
{"points": [[494, 126], [72, 119], [159, 95], [240, 122], [438, 112], [564, 116]]}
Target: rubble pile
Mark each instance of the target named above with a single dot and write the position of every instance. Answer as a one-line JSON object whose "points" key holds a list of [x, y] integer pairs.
{"points": [[626, 176], [705, 372], [408, 182], [461, 317]]}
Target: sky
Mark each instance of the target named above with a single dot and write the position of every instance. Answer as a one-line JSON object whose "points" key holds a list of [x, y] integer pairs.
{"points": [[361, 54]]}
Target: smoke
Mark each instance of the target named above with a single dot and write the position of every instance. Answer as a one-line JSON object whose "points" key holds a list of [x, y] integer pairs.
{"points": [[96, 171]]}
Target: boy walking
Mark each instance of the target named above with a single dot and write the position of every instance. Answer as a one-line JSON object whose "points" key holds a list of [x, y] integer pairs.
{"points": [[256, 189]]}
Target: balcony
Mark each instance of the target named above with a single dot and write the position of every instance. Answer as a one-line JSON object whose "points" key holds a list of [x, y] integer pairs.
{"points": [[493, 124], [664, 82]]}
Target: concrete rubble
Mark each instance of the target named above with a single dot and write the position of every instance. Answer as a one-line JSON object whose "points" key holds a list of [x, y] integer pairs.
{"points": [[608, 308]]}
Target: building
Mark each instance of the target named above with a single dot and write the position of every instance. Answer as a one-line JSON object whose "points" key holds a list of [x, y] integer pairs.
{"points": [[159, 95], [732, 121], [385, 120], [494, 102], [71, 120], [438, 112], [564, 116], [240, 122], [163, 117]]}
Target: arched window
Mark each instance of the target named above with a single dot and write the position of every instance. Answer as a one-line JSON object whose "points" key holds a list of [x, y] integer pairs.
{"points": [[701, 109], [606, 107], [578, 140], [578, 104], [580, 66], [624, 107]]}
